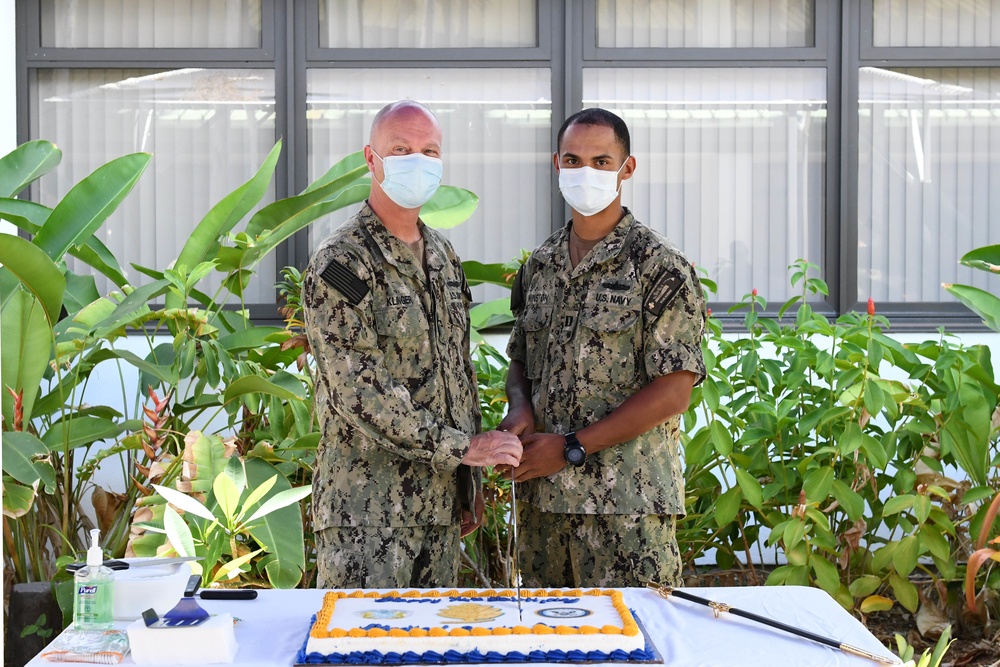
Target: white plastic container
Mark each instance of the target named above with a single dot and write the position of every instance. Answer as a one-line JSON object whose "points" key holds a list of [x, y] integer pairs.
{"points": [[214, 641], [159, 587]]}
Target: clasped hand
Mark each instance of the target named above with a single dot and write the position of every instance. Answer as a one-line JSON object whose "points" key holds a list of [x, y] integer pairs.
{"points": [[542, 453]]}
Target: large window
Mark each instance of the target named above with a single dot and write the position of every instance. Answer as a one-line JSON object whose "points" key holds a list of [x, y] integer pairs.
{"points": [[928, 178], [860, 136], [928, 128], [208, 131], [731, 165]]}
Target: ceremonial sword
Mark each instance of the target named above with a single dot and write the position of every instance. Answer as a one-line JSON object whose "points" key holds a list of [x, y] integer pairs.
{"points": [[515, 564], [717, 607]]}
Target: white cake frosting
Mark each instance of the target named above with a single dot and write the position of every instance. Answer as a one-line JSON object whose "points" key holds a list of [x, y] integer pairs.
{"points": [[484, 621]]}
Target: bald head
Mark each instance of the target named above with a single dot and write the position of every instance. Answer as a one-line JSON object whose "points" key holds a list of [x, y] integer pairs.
{"points": [[401, 111], [402, 129]]}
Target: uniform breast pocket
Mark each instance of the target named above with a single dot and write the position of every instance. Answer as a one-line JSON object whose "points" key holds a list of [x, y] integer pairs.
{"points": [[458, 324], [402, 333], [535, 323], [607, 341]]}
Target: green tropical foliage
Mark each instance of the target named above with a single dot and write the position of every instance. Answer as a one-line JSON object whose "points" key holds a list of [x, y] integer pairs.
{"points": [[981, 302], [865, 466], [835, 445], [220, 383]]}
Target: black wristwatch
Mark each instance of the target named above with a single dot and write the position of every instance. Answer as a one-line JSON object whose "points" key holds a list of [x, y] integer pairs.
{"points": [[574, 453]]}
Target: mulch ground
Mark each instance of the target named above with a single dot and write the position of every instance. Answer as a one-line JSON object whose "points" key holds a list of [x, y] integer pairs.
{"points": [[965, 652]]}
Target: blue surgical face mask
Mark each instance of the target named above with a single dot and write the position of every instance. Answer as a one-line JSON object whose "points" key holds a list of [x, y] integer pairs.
{"points": [[410, 180]]}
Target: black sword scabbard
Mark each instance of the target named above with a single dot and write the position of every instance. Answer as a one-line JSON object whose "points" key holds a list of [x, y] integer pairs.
{"points": [[719, 607]]}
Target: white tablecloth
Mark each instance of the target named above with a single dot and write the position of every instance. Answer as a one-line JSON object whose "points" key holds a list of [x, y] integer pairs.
{"points": [[273, 627]]}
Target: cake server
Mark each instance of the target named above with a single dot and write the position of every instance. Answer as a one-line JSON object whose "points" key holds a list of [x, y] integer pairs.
{"points": [[140, 562]]}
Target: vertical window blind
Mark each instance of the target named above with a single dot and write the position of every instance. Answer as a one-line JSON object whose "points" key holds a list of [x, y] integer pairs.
{"points": [[936, 23], [151, 24], [208, 131], [928, 178], [496, 125], [705, 23], [423, 24], [731, 165]]}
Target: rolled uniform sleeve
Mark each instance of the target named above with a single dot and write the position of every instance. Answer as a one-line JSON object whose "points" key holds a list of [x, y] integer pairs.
{"points": [[674, 337], [361, 388]]}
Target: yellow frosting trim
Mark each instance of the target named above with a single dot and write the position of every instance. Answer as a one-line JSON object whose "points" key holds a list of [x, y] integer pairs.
{"points": [[321, 630]]}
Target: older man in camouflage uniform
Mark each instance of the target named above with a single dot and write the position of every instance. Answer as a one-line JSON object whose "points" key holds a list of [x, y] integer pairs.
{"points": [[386, 313], [604, 354]]}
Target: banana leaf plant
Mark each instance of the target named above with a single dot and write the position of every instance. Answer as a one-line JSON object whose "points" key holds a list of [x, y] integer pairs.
{"points": [[43, 432], [208, 367]]}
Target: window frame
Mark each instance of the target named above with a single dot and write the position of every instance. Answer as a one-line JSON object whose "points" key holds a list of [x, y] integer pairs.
{"points": [[592, 51], [861, 52], [275, 15], [824, 54], [567, 45], [547, 53]]}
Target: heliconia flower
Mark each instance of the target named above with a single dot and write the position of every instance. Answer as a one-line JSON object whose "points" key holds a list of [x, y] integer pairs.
{"points": [[709, 312], [871, 306], [754, 291]]}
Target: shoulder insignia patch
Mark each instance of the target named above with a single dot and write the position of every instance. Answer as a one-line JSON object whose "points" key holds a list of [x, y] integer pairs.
{"points": [[340, 278], [664, 289]]}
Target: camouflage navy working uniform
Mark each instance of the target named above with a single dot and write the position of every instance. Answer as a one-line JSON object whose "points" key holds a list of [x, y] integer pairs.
{"points": [[590, 337], [397, 402]]}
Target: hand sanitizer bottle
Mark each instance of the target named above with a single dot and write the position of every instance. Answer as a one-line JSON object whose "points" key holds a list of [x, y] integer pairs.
{"points": [[93, 584]]}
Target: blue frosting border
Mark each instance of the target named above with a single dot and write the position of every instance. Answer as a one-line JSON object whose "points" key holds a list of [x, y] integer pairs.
{"points": [[646, 654]]}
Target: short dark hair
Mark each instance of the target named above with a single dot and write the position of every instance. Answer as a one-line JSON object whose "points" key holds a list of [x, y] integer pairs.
{"points": [[599, 117]]}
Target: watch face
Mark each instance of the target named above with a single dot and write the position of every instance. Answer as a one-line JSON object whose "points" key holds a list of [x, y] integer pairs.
{"points": [[576, 454]]}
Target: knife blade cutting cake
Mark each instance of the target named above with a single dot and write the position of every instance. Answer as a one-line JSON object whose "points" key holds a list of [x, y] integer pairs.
{"points": [[411, 627]]}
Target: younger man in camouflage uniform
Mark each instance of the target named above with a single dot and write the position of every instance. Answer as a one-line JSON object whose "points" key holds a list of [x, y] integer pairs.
{"points": [[604, 354], [386, 313]]}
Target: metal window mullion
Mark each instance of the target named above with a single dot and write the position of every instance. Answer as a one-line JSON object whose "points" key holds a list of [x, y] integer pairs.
{"points": [[299, 20], [157, 64], [833, 253], [24, 77], [753, 55], [417, 64], [685, 64], [45, 57], [384, 57], [947, 55], [929, 62], [576, 33], [284, 122], [848, 221]]}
